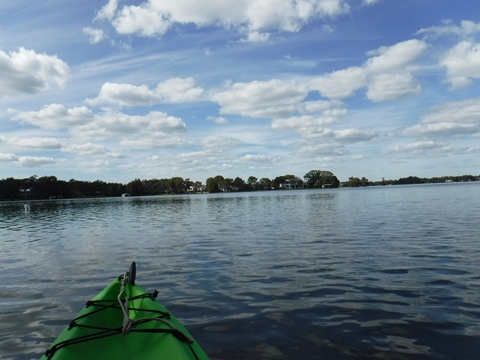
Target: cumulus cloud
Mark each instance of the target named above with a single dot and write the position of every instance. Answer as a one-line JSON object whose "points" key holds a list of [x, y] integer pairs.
{"points": [[154, 129], [55, 116], [25, 71], [125, 95], [340, 84], [178, 90], [174, 90], [398, 57], [35, 161], [255, 18], [386, 74], [36, 143], [462, 63], [263, 99], [111, 123], [315, 115], [451, 118], [392, 86]]}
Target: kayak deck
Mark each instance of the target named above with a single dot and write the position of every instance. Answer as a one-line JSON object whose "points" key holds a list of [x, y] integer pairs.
{"points": [[124, 322]]}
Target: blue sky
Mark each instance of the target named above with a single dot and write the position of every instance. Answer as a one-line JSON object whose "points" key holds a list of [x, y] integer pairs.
{"points": [[121, 89]]}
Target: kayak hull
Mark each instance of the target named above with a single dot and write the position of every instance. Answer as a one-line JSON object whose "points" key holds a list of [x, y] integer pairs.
{"points": [[103, 331]]}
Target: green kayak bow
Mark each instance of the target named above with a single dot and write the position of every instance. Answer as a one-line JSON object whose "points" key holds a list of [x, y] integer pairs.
{"points": [[125, 322]]}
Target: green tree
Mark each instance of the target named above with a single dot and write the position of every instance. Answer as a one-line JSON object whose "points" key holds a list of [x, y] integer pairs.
{"points": [[135, 187], [214, 184], [320, 179], [46, 186], [354, 181], [239, 184], [265, 184], [252, 182]]}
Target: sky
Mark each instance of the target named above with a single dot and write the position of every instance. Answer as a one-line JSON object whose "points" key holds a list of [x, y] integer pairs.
{"points": [[115, 90]]}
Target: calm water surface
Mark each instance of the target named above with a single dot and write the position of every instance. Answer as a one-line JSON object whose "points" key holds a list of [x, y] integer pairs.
{"points": [[382, 273]]}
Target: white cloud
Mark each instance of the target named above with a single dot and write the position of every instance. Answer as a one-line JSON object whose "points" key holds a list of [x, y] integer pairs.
{"points": [[6, 157], [220, 142], [263, 99], [36, 143], [157, 140], [97, 166], [451, 118], [142, 20], [386, 75], [178, 90], [316, 114], [95, 35], [218, 120], [108, 10], [462, 63], [417, 147], [354, 135], [55, 116], [125, 95], [256, 158], [34, 161], [318, 106], [340, 84], [25, 71], [174, 90], [384, 87], [467, 28], [327, 150], [112, 123], [256, 37], [395, 58], [154, 129], [303, 123], [253, 17], [85, 149]]}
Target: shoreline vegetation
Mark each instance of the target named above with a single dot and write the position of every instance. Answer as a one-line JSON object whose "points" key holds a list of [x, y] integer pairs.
{"points": [[49, 187]]}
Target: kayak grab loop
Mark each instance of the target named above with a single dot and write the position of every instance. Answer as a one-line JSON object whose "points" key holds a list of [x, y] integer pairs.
{"points": [[127, 322]]}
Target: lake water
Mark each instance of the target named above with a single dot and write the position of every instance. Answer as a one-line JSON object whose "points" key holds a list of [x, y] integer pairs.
{"points": [[377, 273]]}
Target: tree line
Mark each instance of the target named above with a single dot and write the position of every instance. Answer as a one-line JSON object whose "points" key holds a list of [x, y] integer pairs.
{"points": [[358, 182], [49, 187]]}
